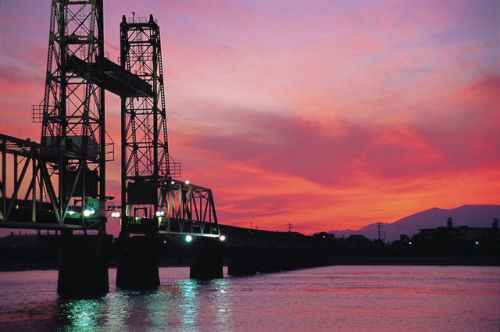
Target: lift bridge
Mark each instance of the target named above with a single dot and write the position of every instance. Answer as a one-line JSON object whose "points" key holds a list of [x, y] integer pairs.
{"points": [[60, 183]]}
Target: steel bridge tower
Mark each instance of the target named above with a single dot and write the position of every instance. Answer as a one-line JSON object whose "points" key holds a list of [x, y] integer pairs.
{"points": [[72, 111], [152, 201], [144, 152]]}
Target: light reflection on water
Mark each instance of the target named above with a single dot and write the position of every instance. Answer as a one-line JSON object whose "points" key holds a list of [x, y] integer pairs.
{"points": [[222, 304], [176, 304], [81, 314], [189, 304], [387, 298]]}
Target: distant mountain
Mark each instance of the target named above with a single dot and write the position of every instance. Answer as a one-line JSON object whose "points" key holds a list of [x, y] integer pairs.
{"points": [[466, 215]]}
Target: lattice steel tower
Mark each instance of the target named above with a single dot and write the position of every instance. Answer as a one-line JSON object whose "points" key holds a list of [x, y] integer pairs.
{"points": [[145, 157], [72, 111]]}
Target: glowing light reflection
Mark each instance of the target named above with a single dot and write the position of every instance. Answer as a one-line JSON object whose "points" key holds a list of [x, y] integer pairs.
{"points": [[82, 314], [189, 304]]}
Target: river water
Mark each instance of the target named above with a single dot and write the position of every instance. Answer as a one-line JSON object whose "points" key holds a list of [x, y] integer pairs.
{"points": [[339, 298]]}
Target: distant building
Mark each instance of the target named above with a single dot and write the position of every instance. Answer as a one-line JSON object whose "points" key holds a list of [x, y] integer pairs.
{"points": [[462, 234]]}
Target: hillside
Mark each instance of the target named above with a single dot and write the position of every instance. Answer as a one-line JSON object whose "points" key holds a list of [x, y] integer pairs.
{"points": [[466, 215]]}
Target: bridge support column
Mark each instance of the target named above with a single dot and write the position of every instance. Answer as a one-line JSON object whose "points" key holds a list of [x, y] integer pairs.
{"points": [[206, 258], [137, 266], [83, 264], [242, 261]]}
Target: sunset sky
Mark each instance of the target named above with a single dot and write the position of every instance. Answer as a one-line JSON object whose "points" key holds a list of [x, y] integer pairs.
{"points": [[322, 114]]}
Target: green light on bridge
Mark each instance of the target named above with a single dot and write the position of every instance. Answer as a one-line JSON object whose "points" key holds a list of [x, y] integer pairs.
{"points": [[188, 238], [87, 212]]}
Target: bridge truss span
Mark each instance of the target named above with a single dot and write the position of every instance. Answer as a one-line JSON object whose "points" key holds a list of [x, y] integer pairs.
{"points": [[28, 192], [187, 208]]}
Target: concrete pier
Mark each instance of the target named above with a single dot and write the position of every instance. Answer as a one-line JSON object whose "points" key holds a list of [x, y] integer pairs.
{"points": [[83, 264], [206, 258], [137, 264]]}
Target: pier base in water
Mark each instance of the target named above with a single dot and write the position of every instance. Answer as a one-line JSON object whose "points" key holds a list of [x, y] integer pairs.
{"points": [[206, 258], [83, 264], [137, 265]]}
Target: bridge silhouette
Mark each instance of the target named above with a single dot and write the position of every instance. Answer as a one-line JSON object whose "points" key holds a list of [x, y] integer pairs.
{"points": [[60, 183]]}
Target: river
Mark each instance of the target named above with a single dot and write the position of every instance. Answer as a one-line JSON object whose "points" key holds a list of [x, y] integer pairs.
{"points": [[338, 298]]}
